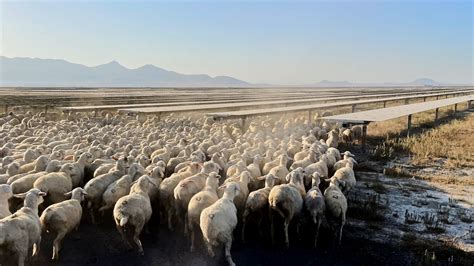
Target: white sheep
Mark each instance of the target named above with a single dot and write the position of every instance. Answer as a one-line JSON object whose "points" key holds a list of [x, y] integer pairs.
{"points": [[115, 191], [96, 187], [5, 194], [22, 230], [320, 166], [61, 218], [190, 186], [336, 206], [200, 201], [132, 212], [257, 202], [346, 177], [315, 204], [287, 201], [348, 156], [56, 184], [219, 220], [167, 186]]}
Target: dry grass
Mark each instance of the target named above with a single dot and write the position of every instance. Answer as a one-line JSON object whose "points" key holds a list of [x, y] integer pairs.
{"points": [[450, 143]]}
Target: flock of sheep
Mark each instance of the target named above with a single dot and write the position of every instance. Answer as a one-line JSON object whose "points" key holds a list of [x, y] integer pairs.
{"points": [[204, 176]]}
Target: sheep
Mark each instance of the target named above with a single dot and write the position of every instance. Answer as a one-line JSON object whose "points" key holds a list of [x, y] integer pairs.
{"points": [[61, 218], [346, 177], [257, 201], [167, 186], [281, 170], [56, 184], [84, 160], [38, 165], [219, 220], [333, 139], [348, 156], [336, 206], [96, 186], [309, 159], [115, 191], [287, 201], [200, 201], [320, 166], [12, 170], [187, 187], [5, 194], [132, 212], [315, 204], [22, 230], [254, 168]]}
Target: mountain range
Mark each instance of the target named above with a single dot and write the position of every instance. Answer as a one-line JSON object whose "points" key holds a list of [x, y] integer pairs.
{"points": [[36, 72]]}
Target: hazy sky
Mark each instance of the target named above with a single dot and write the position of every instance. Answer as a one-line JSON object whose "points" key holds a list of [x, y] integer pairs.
{"points": [[265, 42]]}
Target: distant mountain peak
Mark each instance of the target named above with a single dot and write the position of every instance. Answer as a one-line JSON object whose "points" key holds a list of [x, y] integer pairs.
{"points": [[60, 73]]}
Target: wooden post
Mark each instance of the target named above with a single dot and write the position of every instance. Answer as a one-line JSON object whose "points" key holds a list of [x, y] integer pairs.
{"points": [[6, 108], [46, 110], [407, 101], [437, 97], [436, 116], [364, 135], [409, 126], [469, 105], [310, 114], [353, 108], [244, 124], [455, 108], [384, 104], [424, 99]]}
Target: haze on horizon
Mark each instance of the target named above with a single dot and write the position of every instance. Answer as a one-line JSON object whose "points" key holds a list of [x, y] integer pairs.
{"points": [[262, 42]]}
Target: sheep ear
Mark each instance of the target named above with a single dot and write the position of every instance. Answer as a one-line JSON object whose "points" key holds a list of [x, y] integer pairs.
{"points": [[327, 180], [261, 178], [114, 157], [288, 176], [68, 193], [20, 196]]}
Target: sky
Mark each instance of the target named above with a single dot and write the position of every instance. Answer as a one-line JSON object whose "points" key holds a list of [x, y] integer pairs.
{"points": [[273, 42]]}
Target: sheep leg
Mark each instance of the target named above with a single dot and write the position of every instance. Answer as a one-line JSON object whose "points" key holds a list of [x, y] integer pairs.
{"points": [[21, 259], [36, 247], [260, 232], [138, 242], [57, 244], [191, 232], [186, 224], [124, 237], [318, 224], [272, 227], [91, 211], [170, 220], [286, 224], [244, 224], [340, 233], [210, 249], [228, 246]]}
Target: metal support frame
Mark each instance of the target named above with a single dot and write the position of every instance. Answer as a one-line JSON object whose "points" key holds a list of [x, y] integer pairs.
{"points": [[244, 123], [408, 125], [364, 135]]}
